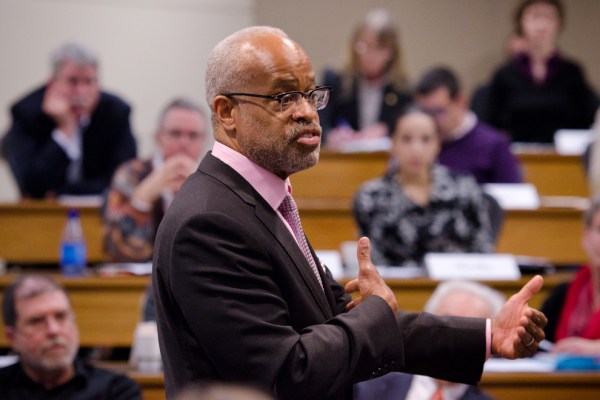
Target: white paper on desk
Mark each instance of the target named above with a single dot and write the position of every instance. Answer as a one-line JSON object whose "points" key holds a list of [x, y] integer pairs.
{"points": [[572, 141], [81, 201], [472, 266], [402, 272], [543, 363], [125, 268], [580, 203], [333, 260], [366, 145], [514, 196]]}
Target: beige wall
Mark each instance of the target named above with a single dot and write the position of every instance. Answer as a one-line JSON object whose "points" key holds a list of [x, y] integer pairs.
{"points": [[150, 51], [467, 35]]}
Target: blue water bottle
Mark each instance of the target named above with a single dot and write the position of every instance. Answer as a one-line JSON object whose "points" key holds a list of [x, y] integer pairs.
{"points": [[73, 251]]}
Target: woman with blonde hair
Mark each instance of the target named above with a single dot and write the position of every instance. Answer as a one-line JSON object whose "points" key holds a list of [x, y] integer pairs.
{"points": [[370, 93]]}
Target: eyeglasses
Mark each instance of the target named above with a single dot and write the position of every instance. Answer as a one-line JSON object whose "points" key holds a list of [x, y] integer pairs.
{"points": [[292, 101]]}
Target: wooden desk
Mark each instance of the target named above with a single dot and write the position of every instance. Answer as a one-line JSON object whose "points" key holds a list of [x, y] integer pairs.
{"points": [[546, 385], [551, 233], [554, 174], [30, 231], [339, 175], [107, 309], [500, 385], [412, 294]]}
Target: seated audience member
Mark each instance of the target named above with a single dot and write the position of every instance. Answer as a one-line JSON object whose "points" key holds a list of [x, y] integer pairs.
{"points": [[457, 298], [68, 137], [515, 44], [468, 145], [421, 206], [540, 90], [370, 93], [573, 309], [142, 190], [222, 391], [40, 326]]}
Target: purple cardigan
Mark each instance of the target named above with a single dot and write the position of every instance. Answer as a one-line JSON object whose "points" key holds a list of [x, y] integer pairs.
{"points": [[485, 153]]}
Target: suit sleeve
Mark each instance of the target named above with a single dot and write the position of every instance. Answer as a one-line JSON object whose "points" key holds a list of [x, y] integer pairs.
{"points": [[234, 303], [113, 132], [29, 158]]}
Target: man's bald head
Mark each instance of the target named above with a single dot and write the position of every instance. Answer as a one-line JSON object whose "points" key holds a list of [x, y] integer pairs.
{"points": [[243, 57]]}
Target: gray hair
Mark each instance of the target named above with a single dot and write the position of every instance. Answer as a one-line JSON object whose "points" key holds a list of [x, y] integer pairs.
{"points": [[26, 287], [76, 52], [492, 297], [182, 103], [224, 72]]}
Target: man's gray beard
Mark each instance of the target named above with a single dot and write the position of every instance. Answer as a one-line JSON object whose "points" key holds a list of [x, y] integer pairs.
{"points": [[278, 156], [282, 164], [53, 365]]}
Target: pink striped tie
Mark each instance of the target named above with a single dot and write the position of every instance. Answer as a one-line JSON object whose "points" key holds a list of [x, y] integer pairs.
{"points": [[289, 210]]}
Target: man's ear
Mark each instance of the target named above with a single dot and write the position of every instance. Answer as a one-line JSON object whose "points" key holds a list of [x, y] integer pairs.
{"points": [[223, 107]]}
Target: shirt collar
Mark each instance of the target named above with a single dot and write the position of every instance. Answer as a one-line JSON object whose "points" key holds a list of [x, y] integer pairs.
{"points": [[523, 64], [427, 386], [271, 187], [466, 125]]}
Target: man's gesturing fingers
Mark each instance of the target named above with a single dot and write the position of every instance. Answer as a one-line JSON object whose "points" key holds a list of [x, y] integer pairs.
{"points": [[369, 281]]}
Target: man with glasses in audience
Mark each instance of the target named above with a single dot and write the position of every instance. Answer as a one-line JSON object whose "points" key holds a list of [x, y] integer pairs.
{"points": [[468, 145], [141, 190], [241, 295], [40, 326]]}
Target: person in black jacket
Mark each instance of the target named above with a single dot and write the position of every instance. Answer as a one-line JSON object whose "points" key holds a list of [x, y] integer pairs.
{"points": [[39, 324], [68, 137], [540, 90]]}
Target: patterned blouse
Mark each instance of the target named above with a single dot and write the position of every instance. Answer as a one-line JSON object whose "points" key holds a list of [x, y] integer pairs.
{"points": [[402, 232], [129, 233]]}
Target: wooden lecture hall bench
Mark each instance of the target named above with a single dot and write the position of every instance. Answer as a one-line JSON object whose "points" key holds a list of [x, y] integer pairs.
{"points": [[108, 308]]}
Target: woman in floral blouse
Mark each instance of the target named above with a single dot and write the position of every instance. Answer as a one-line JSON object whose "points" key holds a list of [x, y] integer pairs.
{"points": [[420, 206]]}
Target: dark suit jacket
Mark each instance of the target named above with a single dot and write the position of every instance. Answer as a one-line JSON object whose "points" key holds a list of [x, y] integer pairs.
{"points": [[395, 386], [40, 165], [344, 107], [236, 300]]}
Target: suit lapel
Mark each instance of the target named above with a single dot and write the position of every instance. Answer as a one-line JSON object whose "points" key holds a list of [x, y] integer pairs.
{"points": [[272, 223]]}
